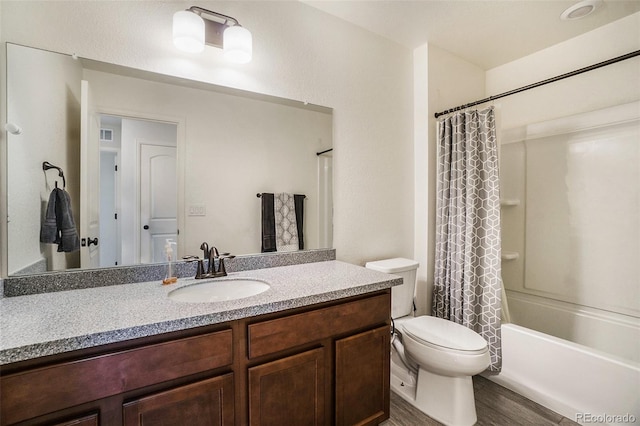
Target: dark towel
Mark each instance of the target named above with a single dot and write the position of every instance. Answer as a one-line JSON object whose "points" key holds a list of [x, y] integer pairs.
{"points": [[49, 228], [58, 226], [69, 240], [268, 223], [299, 203]]}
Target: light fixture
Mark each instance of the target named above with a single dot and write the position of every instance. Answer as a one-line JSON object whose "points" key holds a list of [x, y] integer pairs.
{"points": [[580, 10], [195, 27]]}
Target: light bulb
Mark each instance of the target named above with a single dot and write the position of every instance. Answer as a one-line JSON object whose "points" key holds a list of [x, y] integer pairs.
{"points": [[188, 31], [237, 44]]}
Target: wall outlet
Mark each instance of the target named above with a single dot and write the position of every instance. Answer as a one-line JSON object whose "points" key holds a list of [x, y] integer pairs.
{"points": [[197, 210]]}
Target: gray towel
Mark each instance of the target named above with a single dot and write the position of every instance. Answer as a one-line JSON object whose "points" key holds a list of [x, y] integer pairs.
{"points": [[69, 240], [49, 228], [58, 226], [286, 225]]}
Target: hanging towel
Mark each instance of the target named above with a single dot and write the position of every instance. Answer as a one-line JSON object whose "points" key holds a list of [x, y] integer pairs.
{"points": [[286, 225], [58, 226], [268, 223], [299, 203], [49, 228], [69, 240]]}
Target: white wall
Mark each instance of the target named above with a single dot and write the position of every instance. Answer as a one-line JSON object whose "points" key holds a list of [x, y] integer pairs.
{"points": [[48, 111], [441, 80], [299, 53], [612, 85]]}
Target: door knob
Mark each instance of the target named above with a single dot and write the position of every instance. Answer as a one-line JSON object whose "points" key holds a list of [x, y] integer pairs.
{"points": [[146, 227], [94, 241]]}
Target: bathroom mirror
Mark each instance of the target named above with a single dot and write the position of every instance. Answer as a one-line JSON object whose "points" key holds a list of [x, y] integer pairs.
{"points": [[143, 151]]}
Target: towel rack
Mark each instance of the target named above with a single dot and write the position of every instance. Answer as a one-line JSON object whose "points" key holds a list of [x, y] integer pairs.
{"points": [[47, 166], [259, 195]]}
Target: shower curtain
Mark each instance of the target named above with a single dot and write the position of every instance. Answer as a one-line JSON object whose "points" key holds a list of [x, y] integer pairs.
{"points": [[467, 285]]}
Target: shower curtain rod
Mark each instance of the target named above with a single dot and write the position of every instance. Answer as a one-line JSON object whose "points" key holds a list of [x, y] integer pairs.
{"points": [[542, 83]]}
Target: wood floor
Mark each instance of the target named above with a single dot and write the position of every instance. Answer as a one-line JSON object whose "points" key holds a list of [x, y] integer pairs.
{"points": [[495, 405]]}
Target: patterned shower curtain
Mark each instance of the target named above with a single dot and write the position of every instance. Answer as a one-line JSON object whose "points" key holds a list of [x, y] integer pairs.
{"points": [[467, 269]]}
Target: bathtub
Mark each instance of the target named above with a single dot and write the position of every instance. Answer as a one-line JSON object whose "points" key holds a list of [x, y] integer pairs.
{"points": [[578, 382]]}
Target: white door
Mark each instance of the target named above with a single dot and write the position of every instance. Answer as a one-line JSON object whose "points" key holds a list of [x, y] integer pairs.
{"points": [[158, 200], [89, 182], [109, 233]]}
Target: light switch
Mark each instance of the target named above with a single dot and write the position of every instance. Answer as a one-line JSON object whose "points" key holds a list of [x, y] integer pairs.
{"points": [[197, 210]]}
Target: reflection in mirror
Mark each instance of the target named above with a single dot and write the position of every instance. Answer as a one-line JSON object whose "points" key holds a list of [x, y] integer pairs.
{"points": [[190, 159], [150, 183]]}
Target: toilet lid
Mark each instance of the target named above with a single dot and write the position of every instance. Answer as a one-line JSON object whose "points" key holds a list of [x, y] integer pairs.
{"points": [[444, 333]]}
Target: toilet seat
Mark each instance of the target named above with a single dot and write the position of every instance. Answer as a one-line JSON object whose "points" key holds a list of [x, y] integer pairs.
{"points": [[445, 335]]}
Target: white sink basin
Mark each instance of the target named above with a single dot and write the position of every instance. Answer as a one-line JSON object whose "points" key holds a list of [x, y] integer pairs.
{"points": [[219, 290]]}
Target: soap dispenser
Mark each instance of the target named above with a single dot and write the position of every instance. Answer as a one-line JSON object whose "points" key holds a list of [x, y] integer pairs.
{"points": [[170, 277]]}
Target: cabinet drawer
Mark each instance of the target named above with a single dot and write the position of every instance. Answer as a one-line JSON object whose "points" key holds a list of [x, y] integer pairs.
{"points": [[43, 390], [275, 335]]}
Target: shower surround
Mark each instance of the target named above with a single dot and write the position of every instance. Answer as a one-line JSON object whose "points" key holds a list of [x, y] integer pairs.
{"points": [[570, 190]]}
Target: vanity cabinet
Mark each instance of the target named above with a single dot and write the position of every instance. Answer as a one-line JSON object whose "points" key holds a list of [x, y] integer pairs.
{"points": [[102, 382], [323, 364], [343, 347]]}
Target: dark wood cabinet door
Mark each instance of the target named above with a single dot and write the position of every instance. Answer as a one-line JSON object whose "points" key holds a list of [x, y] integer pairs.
{"points": [[362, 378], [206, 403], [88, 420], [289, 391]]}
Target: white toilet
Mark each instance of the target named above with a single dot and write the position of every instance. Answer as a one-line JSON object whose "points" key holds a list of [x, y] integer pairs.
{"points": [[432, 359]]}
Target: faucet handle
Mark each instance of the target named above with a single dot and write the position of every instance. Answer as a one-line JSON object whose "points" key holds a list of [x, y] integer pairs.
{"points": [[221, 269], [200, 270]]}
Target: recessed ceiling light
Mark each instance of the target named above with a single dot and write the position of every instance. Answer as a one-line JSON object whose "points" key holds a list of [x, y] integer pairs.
{"points": [[580, 10]]}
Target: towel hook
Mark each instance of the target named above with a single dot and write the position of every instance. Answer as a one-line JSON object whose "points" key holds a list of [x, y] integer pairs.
{"points": [[47, 166]]}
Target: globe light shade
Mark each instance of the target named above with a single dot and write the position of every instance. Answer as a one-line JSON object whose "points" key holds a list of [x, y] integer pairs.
{"points": [[237, 44], [188, 31]]}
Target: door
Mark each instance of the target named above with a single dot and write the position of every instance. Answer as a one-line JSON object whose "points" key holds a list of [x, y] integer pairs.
{"points": [[289, 391], [362, 378], [89, 420], [89, 182], [109, 232], [158, 200], [205, 403]]}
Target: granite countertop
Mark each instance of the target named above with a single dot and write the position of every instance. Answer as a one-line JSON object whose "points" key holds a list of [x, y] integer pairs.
{"points": [[49, 323]]}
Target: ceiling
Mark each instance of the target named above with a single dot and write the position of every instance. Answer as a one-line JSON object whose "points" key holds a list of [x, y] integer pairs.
{"points": [[487, 33]]}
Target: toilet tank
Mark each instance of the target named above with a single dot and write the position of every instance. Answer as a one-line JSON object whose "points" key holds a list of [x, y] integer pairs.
{"points": [[401, 295]]}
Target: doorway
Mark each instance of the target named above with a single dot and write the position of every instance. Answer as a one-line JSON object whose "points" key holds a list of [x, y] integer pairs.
{"points": [[138, 189]]}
